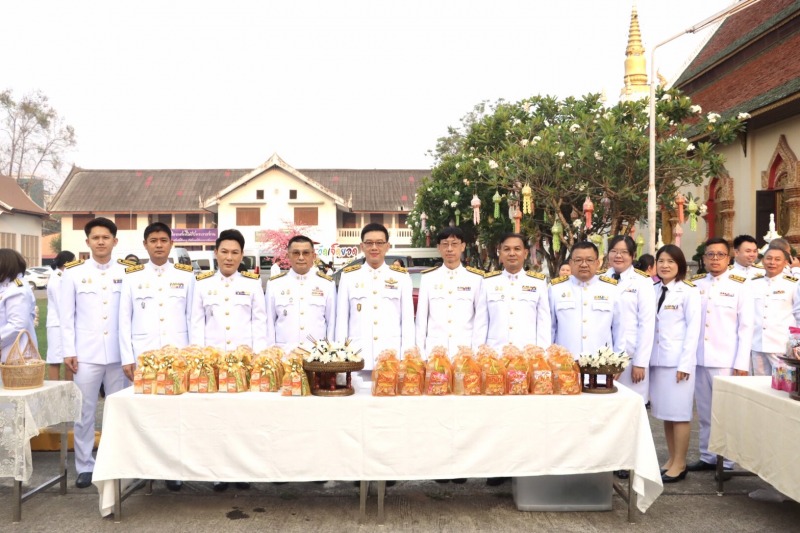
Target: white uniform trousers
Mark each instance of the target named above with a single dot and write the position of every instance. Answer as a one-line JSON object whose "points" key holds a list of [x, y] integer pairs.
{"points": [[761, 364], [88, 379], [642, 388], [702, 396]]}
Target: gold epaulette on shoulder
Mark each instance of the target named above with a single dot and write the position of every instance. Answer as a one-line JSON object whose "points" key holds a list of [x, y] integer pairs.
{"points": [[185, 268], [730, 267], [759, 266], [560, 279], [134, 268], [757, 276], [18, 282], [204, 275], [324, 276], [399, 269], [790, 278], [251, 275], [477, 271], [276, 276], [537, 275], [125, 262], [689, 283], [492, 273], [737, 279], [74, 263], [698, 276], [609, 280], [352, 268], [644, 274], [431, 269]]}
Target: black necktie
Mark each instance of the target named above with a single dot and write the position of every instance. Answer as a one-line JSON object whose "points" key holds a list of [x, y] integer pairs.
{"points": [[663, 295], [615, 275]]}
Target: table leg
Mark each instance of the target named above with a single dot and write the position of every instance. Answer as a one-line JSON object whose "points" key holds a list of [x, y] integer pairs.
{"points": [[17, 503], [720, 474], [62, 460], [117, 501], [364, 488], [381, 494], [631, 497], [149, 487]]}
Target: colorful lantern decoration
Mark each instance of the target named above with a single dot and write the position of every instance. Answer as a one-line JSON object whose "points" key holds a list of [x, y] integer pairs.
{"points": [[513, 205], [639, 243], [588, 210], [423, 221], [458, 216], [680, 200], [517, 219], [476, 209], [527, 199], [496, 199], [605, 202], [678, 234], [557, 231], [692, 208]]}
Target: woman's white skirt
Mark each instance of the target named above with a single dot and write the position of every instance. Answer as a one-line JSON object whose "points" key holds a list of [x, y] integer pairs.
{"points": [[669, 400]]}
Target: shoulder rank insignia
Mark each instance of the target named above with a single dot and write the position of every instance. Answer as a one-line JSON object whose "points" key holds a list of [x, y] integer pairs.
{"points": [[399, 269], [560, 279], [737, 279], [134, 268], [537, 275], [643, 274], [74, 263], [18, 282], [352, 268], [757, 276], [790, 278], [697, 276], [477, 271], [276, 276], [759, 266], [251, 275], [609, 280], [689, 283], [492, 273], [185, 268], [323, 276], [730, 267], [430, 269], [204, 275], [126, 262]]}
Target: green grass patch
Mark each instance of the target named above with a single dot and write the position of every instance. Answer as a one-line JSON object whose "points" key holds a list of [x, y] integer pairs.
{"points": [[41, 329]]}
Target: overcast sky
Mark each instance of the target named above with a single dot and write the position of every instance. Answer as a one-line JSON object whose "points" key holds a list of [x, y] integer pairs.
{"points": [[324, 83]]}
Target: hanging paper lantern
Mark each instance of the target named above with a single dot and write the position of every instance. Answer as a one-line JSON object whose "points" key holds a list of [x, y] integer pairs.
{"points": [[605, 201], [692, 208], [496, 199], [557, 231], [458, 216], [588, 210], [423, 220], [678, 234], [476, 209], [680, 200], [639, 244], [527, 199], [517, 218]]}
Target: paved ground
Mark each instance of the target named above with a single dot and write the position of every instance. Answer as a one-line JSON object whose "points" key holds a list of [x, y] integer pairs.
{"points": [[410, 506]]}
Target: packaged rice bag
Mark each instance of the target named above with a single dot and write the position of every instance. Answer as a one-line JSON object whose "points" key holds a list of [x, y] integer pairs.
{"points": [[493, 371], [566, 373], [384, 375], [267, 372], [145, 376], [438, 373], [541, 376], [295, 380], [466, 373], [234, 370], [411, 374], [203, 366], [173, 375], [517, 377]]}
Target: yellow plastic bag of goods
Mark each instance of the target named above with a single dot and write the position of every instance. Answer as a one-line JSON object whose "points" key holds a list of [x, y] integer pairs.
{"points": [[438, 373], [411, 374], [493, 371], [466, 373], [384, 375]]}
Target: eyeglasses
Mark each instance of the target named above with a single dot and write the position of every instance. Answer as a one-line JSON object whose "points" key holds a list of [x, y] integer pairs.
{"points": [[583, 261], [621, 253], [371, 244], [301, 253], [449, 245], [717, 255]]}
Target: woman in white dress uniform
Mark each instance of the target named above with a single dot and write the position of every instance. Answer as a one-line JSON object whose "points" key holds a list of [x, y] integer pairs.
{"points": [[672, 363], [17, 303]]}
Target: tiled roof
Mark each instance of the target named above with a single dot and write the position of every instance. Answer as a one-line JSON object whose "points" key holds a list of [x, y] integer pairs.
{"points": [[14, 199], [372, 190]]}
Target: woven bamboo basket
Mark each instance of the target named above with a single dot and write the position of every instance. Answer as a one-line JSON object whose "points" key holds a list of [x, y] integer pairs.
{"points": [[24, 368]]}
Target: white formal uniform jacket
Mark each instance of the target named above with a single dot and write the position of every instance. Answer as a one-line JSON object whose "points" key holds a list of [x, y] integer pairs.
{"points": [[299, 306], [155, 308], [677, 328], [513, 309], [446, 308], [585, 315], [89, 311], [16, 314], [53, 289], [228, 312], [777, 306], [726, 326], [637, 315], [375, 310], [746, 272]]}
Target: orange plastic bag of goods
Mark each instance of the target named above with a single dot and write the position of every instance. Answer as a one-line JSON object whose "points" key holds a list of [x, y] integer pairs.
{"points": [[438, 373], [295, 380], [566, 374], [411, 374], [146, 373], [541, 375], [203, 365], [234, 370], [384, 375], [173, 375], [466, 373], [267, 372], [493, 371], [517, 376]]}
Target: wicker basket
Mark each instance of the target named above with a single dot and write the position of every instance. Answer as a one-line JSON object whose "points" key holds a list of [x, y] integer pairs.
{"points": [[346, 366], [24, 368]]}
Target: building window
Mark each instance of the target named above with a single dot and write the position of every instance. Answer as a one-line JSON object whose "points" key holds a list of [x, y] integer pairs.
{"points": [[349, 220], [79, 221], [260, 194], [30, 249], [125, 221], [306, 216], [248, 216], [192, 220], [164, 218], [8, 240], [292, 194], [376, 218], [402, 221]]}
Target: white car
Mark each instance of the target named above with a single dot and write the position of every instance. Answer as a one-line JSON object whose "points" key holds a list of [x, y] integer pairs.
{"points": [[35, 279]]}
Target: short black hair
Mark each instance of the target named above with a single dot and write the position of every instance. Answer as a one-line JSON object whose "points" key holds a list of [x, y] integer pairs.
{"points": [[511, 235], [299, 238], [12, 264], [374, 226], [101, 222], [741, 239], [630, 245], [677, 255], [156, 227], [716, 240], [584, 245], [230, 235], [645, 261], [62, 258], [450, 231]]}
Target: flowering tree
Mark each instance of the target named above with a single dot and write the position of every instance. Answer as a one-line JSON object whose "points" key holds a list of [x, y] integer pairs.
{"points": [[565, 171], [278, 241]]}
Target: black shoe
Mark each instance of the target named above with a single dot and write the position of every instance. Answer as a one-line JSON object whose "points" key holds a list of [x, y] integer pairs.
{"points": [[674, 479], [84, 480], [319, 482], [459, 480], [174, 486], [391, 483], [700, 465], [496, 481], [442, 481], [663, 471], [242, 485], [220, 486], [622, 474]]}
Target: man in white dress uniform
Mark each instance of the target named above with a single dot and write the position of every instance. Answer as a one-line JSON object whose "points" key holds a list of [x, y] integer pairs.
{"points": [[745, 255]]}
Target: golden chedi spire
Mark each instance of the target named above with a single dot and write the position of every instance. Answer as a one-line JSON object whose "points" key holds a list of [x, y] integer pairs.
{"points": [[635, 84]]}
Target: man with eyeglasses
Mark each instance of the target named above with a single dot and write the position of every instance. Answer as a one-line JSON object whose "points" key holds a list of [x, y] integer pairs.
{"points": [[301, 301], [745, 255], [374, 308], [726, 334]]}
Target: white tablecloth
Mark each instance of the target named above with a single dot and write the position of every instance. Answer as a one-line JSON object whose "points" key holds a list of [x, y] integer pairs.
{"points": [[263, 437], [758, 428], [23, 412]]}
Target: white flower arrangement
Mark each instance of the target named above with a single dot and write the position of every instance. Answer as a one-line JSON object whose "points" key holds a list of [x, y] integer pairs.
{"points": [[326, 351], [743, 116], [605, 356], [696, 109], [712, 117]]}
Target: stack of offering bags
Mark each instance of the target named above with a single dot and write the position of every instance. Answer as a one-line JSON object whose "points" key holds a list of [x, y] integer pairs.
{"points": [[466, 373], [384, 375], [411, 373], [493, 371], [267, 372], [438, 373], [234, 370]]}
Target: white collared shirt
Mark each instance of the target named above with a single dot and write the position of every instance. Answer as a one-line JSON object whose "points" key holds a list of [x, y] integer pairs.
{"points": [[777, 306]]}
